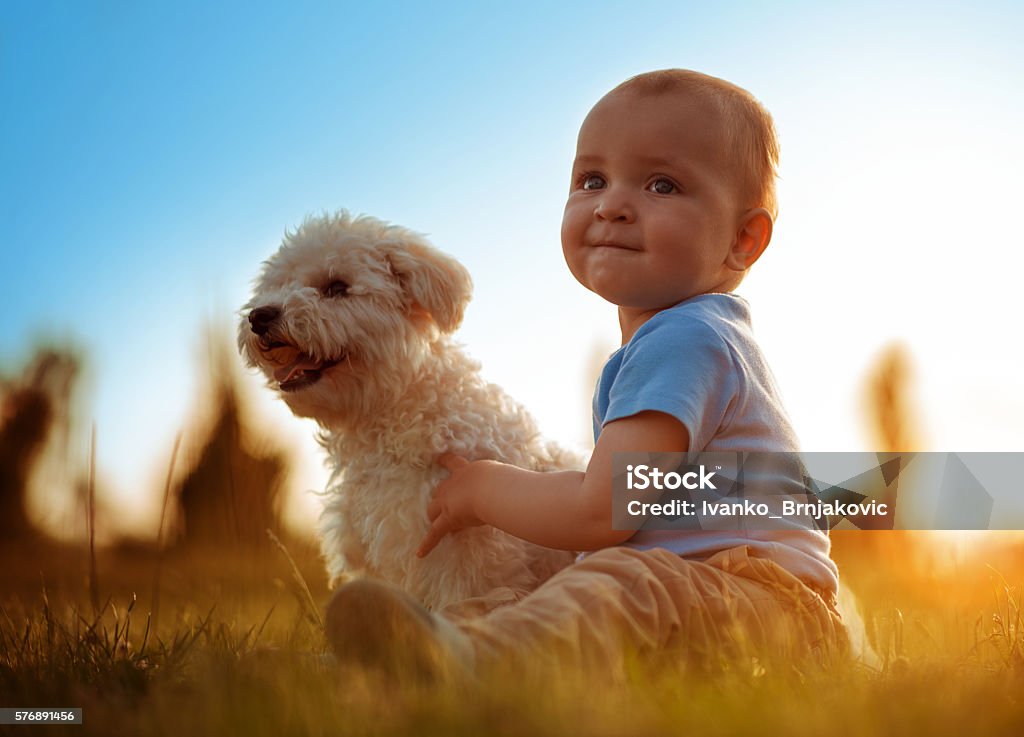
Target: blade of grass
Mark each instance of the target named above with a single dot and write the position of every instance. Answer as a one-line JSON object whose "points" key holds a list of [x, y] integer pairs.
{"points": [[157, 572], [94, 595], [312, 609]]}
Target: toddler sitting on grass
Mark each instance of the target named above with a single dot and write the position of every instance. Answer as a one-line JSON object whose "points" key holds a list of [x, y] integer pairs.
{"points": [[672, 200]]}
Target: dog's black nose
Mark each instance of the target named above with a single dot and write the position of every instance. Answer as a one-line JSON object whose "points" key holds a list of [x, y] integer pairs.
{"points": [[261, 319]]}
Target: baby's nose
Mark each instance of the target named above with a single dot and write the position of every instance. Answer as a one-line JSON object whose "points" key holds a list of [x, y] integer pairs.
{"points": [[614, 207]]}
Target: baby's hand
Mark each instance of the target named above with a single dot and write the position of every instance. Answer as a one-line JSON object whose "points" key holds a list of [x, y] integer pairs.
{"points": [[451, 508]]}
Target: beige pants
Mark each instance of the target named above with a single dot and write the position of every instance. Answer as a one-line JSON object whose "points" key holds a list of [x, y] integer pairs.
{"points": [[619, 604]]}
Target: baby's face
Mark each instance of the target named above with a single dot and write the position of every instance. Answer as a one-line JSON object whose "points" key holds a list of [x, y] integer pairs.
{"points": [[652, 208]]}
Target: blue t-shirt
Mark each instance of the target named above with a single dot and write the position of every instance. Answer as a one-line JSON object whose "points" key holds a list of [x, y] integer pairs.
{"points": [[698, 362]]}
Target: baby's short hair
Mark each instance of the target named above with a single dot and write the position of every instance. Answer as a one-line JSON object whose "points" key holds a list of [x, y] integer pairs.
{"points": [[753, 143]]}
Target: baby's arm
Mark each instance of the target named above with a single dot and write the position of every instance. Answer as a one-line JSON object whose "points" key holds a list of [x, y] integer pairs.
{"points": [[567, 510]]}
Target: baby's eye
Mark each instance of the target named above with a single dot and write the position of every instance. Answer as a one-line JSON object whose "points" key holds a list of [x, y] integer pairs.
{"points": [[662, 186], [592, 181]]}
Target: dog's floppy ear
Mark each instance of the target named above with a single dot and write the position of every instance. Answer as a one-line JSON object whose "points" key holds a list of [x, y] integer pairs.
{"points": [[433, 282]]}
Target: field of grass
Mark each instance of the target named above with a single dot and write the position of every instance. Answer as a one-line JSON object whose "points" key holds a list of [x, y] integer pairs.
{"points": [[212, 643]]}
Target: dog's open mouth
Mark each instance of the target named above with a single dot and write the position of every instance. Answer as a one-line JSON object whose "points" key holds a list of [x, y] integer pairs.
{"points": [[293, 369]]}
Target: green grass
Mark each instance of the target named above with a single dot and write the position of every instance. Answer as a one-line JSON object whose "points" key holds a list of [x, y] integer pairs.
{"points": [[234, 653]]}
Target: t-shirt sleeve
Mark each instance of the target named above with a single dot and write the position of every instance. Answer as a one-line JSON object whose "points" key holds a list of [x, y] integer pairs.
{"points": [[682, 368]]}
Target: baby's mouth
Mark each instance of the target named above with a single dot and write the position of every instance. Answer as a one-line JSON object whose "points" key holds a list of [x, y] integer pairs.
{"points": [[293, 369], [613, 245]]}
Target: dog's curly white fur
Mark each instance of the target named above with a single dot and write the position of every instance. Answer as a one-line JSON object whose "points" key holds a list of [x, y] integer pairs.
{"points": [[350, 321]]}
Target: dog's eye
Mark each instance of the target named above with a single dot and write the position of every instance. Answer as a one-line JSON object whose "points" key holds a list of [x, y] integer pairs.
{"points": [[335, 289]]}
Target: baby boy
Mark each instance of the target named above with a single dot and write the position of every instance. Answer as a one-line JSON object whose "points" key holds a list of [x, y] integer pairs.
{"points": [[672, 200]]}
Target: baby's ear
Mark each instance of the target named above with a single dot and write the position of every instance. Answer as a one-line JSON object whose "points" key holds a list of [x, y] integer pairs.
{"points": [[433, 282], [753, 234]]}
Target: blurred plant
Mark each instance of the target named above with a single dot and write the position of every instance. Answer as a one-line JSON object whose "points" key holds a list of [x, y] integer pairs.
{"points": [[35, 409], [891, 416], [866, 557], [230, 496]]}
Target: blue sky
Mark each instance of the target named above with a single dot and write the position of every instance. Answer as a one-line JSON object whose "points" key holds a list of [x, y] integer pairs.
{"points": [[151, 155]]}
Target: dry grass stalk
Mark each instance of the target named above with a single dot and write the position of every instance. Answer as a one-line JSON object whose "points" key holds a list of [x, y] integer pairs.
{"points": [[160, 534], [94, 585], [307, 600]]}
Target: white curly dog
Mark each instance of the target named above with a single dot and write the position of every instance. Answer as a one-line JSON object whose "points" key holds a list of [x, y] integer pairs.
{"points": [[350, 322]]}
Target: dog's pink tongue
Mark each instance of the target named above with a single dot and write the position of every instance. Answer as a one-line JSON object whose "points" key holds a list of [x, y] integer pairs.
{"points": [[301, 363]]}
